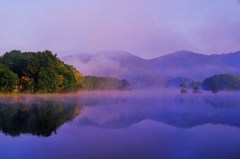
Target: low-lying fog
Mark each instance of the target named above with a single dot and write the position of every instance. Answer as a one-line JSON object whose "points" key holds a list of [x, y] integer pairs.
{"points": [[144, 124]]}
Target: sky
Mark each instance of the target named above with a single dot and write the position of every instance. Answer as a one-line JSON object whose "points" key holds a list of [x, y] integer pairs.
{"points": [[147, 28]]}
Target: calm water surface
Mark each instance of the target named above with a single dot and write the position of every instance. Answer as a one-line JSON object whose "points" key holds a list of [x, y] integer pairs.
{"points": [[120, 125]]}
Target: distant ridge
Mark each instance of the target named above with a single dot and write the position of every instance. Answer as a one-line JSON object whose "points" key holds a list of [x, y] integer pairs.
{"points": [[157, 71]]}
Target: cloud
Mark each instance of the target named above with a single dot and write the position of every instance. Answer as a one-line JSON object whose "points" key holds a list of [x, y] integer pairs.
{"points": [[148, 28]]}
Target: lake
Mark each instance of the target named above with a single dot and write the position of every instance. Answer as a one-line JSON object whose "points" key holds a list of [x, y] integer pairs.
{"points": [[147, 124]]}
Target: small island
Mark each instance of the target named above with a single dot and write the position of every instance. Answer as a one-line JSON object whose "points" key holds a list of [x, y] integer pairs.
{"points": [[37, 72]]}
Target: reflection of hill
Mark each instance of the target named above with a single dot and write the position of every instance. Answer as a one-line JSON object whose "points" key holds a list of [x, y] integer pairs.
{"points": [[38, 118], [179, 111]]}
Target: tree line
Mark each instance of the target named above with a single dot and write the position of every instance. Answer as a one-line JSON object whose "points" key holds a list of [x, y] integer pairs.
{"points": [[104, 83]]}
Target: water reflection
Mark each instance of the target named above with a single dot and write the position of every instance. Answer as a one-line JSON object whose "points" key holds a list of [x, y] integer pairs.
{"points": [[116, 125], [38, 117], [176, 110], [43, 115]]}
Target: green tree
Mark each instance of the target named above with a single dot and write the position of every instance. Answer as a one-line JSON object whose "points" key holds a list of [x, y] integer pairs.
{"points": [[47, 80], [8, 80]]}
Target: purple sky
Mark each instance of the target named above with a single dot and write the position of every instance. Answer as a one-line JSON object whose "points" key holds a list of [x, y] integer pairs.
{"points": [[147, 28]]}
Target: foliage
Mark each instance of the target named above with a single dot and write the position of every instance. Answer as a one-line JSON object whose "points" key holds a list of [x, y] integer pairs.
{"points": [[8, 80], [104, 83], [222, 82], [47, 80], [41, 72]]}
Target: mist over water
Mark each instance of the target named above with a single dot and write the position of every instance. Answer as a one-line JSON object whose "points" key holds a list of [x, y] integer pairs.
{"points": [[139, 124]]}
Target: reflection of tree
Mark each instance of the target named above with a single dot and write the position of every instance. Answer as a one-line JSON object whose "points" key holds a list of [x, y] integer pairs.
{"points": [[39, 118], [195, 86], [183, 88]]}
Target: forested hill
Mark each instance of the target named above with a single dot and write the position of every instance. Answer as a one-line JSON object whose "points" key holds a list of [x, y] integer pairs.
{"points": [[227, 82], [40, 72]]}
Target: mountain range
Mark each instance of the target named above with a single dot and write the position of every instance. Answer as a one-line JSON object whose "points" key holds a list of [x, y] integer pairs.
{"points": [[157, 72]]}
